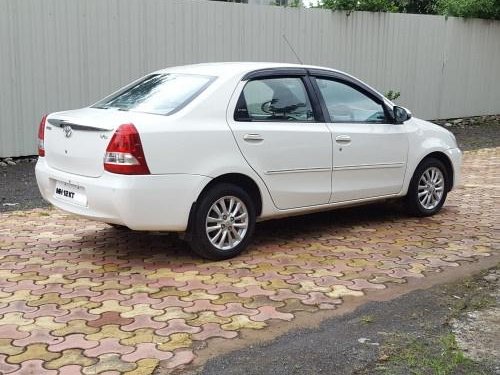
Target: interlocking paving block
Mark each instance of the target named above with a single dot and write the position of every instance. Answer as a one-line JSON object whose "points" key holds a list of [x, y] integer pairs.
{"points": [[10, 331], [75, 326], [242, 321], [143, 321], [210, 330], [108, 331], [34, 366], [147, 351], [145, 366], [270, 312], [108, 345], [70, 370], [33, 351], [77, 297], [7, 347], [39, 335], [15, 318], [181, 357], [143, 335], [177, 325], [176, 341], [109, 362], [7, 368], [72, 341], [70, 357]]}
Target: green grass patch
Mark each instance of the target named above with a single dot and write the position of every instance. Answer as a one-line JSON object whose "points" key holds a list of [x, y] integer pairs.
{"points": [[437, 356], [367, 319]]}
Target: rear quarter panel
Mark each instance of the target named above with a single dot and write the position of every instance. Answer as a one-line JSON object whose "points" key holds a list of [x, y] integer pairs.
{"points": [[197, 140]]}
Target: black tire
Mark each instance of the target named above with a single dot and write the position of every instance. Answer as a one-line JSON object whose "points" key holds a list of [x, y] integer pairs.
{"points": [[199, 240], [413, 205]]}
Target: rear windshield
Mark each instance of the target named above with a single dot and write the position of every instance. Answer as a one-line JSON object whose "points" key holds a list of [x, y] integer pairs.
{"points": [[161, 94]]}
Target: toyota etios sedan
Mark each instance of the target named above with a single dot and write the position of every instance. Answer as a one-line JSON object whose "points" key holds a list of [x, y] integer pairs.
{"points": [[207, 150]]}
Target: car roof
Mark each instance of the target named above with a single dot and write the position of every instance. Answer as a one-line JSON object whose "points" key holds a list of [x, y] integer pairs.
{"points": [[227, 69], [238, 69]]}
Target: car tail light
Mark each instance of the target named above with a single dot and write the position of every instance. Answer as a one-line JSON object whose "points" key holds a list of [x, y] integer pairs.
{"points": [[124, 154], [41, 136]]}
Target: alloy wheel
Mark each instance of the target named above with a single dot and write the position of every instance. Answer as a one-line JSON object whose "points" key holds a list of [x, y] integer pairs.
{"points": [[227, 222], [431, 188]]}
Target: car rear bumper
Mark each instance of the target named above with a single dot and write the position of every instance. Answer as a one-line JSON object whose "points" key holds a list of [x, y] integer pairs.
{"points": [[151, 202]]}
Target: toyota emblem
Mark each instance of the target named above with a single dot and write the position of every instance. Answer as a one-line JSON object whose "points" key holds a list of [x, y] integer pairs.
{"points": [[67, 131]]}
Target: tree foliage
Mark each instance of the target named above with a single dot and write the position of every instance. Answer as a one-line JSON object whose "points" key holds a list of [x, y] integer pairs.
{"points": [[489, 9], [366, 5], [469, 8], [417, 6]]}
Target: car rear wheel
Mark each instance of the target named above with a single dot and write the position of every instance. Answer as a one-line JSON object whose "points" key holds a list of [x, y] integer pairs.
{"points": [[428, 188], [223, 222]]}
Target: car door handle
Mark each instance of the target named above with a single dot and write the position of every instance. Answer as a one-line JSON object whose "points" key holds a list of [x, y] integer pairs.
{"points": [[253, 137], [343, 139]]}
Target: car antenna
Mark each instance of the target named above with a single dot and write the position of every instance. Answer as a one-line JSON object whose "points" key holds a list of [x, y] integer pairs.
{"points": [[289, 45]]}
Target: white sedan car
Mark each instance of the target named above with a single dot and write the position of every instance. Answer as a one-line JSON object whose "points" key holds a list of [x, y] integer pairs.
{"points": [[207, 150]]}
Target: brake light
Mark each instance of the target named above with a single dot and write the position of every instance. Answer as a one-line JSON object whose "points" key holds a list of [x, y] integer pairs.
{"points": [[124, 154], [41, 136]]}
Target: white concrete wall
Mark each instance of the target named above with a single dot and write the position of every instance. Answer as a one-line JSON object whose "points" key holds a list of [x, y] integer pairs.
{"points": [[62, 54]]}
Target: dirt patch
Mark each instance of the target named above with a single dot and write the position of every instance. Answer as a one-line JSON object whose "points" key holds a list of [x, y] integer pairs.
{"points": [[474, 133], [18, 188], [477, 332], [462, 338]]}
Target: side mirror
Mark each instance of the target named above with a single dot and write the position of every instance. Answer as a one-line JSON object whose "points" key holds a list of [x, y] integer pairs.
{"points": [[401, 114]]}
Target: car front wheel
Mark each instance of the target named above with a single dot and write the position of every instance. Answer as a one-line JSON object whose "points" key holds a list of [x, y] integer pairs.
{"points": [[224, 222], [428, 188]]}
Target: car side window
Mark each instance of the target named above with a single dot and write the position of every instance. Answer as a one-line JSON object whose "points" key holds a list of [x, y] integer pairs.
{"points": [[274, 99], [347, 104]]}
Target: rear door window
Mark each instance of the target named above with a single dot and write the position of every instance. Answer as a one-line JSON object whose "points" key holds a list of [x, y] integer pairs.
{"points": [[274, 99], [158, 93]]}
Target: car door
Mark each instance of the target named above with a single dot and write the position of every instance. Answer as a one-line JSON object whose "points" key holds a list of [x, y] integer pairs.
{"points": [[369, 150], [277, 129]]}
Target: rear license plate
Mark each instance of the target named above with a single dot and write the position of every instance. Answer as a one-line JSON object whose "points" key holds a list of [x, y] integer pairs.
{"points": [[70, 193]]}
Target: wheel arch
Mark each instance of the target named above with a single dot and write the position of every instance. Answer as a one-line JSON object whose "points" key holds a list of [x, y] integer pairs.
{"points": [[443, 158], [238, 179], [244, 182]]}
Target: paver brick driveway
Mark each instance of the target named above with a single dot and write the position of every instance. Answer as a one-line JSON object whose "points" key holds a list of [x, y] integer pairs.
{"points": [[80, 297]]}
